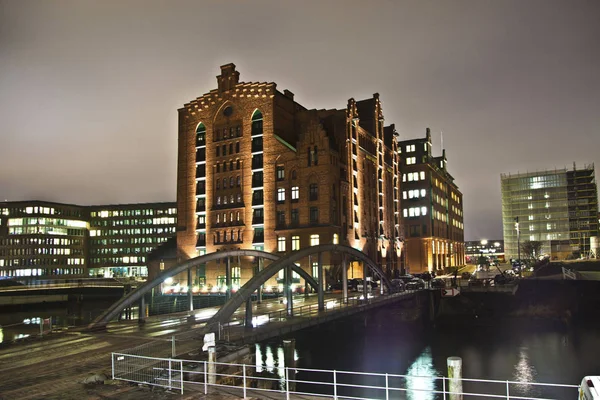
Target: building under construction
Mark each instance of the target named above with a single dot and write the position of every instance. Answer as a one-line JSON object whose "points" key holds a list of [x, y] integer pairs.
{"points": [[556, 207]]}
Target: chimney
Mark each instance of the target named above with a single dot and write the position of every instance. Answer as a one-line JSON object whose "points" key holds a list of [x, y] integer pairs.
{"points": [[229, 77], [288, 94]]}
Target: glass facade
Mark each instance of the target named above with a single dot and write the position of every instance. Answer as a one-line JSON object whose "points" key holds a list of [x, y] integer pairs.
{"points": [[42, 239], [545, 205]]}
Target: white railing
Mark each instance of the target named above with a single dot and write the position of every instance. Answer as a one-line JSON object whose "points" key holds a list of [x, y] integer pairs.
{"points": [[252, 380]]}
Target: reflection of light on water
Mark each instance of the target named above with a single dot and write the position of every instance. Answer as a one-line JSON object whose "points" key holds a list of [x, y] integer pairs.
{"points": [[524, 372], [258, 356], [1, 335], [270, 364], [281, 365], [421, 380], [270, 360]]}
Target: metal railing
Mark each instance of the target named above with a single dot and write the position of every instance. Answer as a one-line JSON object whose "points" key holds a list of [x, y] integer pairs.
{"points": [[28, 286], [252, 380]]}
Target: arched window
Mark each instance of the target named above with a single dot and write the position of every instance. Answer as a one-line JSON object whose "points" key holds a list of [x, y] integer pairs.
{"points": [[231, 181], [231, 218], [218, 184], [237, 216], [239, 198], [218, 218], [231, 165], [224, 199], [237, 147], [238, 164], [218, 167], [231, 199], [230, 148], [294, 174], [218, 200], [200, 134], [257, 123], [224, 183], [239, 180]]}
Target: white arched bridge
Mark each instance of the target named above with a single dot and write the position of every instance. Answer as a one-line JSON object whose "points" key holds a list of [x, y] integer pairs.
{"points": [[286, 263]]}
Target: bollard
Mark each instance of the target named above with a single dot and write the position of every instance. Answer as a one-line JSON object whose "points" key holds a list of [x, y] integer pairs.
{"points": [[212, 366], [455, 378]]}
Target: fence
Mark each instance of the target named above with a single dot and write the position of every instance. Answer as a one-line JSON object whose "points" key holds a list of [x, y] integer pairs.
{"points": [[252, 380]]}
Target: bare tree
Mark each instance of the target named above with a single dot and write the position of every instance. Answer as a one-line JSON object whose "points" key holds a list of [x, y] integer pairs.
{"points": [[531, 249]]}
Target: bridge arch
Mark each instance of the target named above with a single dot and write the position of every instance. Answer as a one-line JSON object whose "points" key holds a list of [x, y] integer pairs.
{"points": [[226, 311], [114, 310]]}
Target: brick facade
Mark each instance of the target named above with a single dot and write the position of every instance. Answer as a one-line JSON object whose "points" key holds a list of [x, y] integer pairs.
{"points": [[253, 160]]}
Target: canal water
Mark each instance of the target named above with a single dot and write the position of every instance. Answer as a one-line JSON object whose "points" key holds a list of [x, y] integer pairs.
{"points": [[382, 341]]}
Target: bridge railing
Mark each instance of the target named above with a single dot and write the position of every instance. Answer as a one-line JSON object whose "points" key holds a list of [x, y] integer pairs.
{"points": [[26, 286], [289, 382], [232, 328]]}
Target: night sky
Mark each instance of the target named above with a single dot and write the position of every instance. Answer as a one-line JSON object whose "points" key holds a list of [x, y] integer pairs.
{"points": [[89, 90]]}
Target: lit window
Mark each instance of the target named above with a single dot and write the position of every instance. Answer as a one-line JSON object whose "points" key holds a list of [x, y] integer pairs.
{"points": [[336, 238], [280, 244], [423, 192], [424, 210], [314, 240], [295, 243], [422, 175], [411, 212], [295, 193], [280, 173], [403, 177], [405, 212], [404, 194], [280, 194]]}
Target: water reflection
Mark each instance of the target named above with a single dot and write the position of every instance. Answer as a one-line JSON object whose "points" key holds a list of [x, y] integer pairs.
{"points": [[421, 383], [266, 361], [525, 372]]}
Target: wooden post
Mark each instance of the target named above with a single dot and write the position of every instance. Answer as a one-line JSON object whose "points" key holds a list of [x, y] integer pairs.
{"points": [[455, 378]]}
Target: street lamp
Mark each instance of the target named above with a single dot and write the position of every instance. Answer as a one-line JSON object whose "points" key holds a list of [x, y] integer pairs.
{"points": [[518, 245]]}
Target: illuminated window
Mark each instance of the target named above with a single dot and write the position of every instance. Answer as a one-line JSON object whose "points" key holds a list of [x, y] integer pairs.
{"points": [[280, 194], [336, 238], [314, 240], [280, 244], [404, 194], [295, 243], [424, 210], [280, 172], [422, 175], [295, 193], [423, 192]]}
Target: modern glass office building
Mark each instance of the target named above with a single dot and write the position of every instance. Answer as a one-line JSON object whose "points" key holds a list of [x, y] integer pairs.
{"points": [[556, 207], [46, 239]]}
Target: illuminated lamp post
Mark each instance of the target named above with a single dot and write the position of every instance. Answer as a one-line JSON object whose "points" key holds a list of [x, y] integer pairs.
{"points": [[518, 245]]}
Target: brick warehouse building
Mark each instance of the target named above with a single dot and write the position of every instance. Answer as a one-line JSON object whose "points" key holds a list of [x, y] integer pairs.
{"points": [[258, 170], [432, 209]]}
